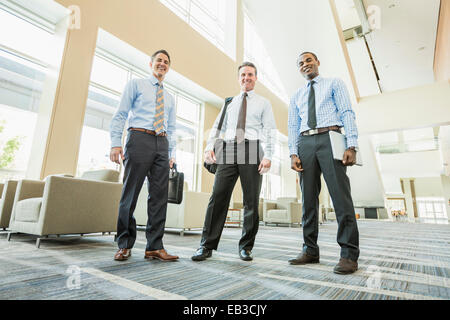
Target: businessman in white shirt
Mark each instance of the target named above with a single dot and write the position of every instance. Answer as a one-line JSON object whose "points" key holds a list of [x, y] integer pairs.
{"points": [[248, 121]]}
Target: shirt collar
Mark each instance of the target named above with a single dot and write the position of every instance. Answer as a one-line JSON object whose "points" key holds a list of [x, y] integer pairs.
{"points": [[153, 80], [250, 94], [316, 80]]}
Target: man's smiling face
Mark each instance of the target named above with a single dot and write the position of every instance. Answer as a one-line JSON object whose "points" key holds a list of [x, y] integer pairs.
{"points": [[308, 66], [160, 65]]}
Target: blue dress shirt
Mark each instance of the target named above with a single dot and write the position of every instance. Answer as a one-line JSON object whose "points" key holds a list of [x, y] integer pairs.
{"points": [[139, 103], [333, 108]]}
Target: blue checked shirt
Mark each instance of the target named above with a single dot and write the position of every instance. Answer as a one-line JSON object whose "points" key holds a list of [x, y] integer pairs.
{"points": [[333, 108], [139, 103]]}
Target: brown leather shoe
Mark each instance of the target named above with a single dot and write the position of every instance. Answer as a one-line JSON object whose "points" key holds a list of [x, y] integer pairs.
{"points": [[122, 254], [160, 255], [345, 266], [304, 258]]}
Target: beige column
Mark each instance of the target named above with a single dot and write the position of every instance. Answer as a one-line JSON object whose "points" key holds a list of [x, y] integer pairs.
{"points": [[60, 153], [211, 113], [441, 65], [410, 198]]}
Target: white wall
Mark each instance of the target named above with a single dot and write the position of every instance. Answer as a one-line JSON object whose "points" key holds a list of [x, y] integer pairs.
{"points": [[428, 187], [363, 69], [418, 107], [366, 185]]}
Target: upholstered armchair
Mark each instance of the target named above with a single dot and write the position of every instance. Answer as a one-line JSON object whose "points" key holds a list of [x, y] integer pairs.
{"points": [[283, 211], [189, 214], [62, 205], [8, 191], [239, 205]]}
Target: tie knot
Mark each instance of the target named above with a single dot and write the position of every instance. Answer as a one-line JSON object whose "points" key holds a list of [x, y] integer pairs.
{"points": [[312, 82], [245, 94]]}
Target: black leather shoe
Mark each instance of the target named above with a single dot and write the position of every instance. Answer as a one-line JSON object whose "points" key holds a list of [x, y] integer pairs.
{"points": [[346, 266], [245, 255], [304, 258], [201, 254]]}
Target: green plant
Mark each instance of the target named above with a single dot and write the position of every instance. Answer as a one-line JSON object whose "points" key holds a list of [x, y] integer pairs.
{"points": [[9, 149]]}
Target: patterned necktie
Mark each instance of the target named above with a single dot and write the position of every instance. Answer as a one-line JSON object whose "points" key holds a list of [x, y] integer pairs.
{"points": [[159, 113], [240, 128], [312, 122]]}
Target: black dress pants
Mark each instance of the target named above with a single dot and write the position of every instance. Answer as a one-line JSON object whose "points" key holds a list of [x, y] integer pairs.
{"points": [[216, 213], [145, 156], [316, 156]]}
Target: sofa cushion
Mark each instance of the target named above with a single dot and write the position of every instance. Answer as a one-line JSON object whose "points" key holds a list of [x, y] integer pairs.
{"points": [[28, 210], [101, 175], [278, 214]]}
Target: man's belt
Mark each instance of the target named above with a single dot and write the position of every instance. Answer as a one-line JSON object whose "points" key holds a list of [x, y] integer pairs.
{"points": [[320, 130], [153, 133]]}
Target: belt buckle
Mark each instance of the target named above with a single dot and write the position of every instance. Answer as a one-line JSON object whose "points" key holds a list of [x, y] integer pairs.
{"points": [[313, 131]]}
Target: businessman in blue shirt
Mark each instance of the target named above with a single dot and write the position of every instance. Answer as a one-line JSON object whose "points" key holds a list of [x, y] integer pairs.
{"points": [[149, 152], [321, 106]]}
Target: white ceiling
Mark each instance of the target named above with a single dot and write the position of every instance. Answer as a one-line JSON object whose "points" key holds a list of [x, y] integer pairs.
{"points": [[403, 49], [289, 27]]}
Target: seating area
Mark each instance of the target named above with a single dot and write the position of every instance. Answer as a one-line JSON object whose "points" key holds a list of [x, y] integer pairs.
{"points": [[63, 205], [186, 216], [285, 210], [8, 191]]}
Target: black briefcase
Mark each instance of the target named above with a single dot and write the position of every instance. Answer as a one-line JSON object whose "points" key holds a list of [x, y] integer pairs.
{"points": [[176, 183]]}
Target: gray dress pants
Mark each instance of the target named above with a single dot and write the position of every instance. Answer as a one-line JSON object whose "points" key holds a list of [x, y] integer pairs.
{"points": [[316, 156], [145, 156], [224, 182]]}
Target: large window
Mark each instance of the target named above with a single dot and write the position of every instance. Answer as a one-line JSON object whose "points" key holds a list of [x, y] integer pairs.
{"points": [[108, 78], [107, 82], [214, 19], [432, 210], [254, 51], [26, 52]]}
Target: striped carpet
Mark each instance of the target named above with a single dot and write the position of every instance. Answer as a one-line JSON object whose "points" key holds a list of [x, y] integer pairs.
{"points": [[397, 261]]}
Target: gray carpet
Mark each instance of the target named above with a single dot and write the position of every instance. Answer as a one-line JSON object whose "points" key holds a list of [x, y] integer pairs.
{"points": [[397, 261]]}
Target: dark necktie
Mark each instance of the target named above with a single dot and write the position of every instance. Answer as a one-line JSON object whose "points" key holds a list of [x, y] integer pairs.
{"points": [[240, 128], [312, 122]]}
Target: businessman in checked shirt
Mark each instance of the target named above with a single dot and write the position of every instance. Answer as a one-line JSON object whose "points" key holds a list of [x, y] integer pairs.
{"points": [[323, 105], [150, 144]]}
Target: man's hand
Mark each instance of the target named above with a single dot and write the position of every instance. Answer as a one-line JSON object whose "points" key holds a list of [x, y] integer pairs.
{"points": [[349, 157], [172, 162], [296, 164], [116, 154], [210, 157], [264, 166]]}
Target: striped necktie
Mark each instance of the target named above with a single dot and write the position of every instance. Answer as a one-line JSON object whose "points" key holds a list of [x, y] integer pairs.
{"points": [[159, 113]]}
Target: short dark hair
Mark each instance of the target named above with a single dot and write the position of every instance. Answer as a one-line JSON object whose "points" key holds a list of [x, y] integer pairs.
{"points": [[248, 64], [158, 52], [312, 53]]}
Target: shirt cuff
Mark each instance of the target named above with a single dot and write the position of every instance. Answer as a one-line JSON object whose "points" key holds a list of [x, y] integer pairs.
{"points": [[116, 142], [352, 142]]}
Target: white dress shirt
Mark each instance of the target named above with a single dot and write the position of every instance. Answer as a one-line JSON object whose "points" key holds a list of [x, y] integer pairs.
{"points": [[259, 122]]}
